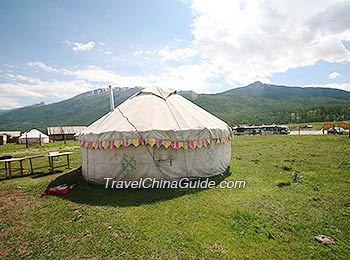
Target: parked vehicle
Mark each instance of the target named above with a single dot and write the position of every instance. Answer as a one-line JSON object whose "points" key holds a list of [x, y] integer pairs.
{"points": [[284, 130], [336, 130], [261, 130]]}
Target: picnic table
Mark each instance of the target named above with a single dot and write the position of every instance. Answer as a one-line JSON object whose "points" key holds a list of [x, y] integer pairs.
{"points": [[51, 156], [8, 166]]}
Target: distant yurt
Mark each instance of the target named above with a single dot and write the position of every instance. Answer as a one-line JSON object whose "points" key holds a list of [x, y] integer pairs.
{"points": [[33, 137], [157, 134]]}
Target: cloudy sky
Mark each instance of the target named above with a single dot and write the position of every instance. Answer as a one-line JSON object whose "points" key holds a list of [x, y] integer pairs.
{"points": [[53, 50]]}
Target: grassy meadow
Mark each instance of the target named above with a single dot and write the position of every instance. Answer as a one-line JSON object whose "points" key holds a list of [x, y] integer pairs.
{"points": [[297, 187]]}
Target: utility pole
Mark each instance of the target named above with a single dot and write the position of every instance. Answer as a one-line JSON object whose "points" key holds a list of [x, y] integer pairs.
{"points": [[63, 136]]}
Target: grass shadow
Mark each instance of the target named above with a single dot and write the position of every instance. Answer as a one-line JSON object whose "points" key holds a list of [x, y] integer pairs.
{"points": [[5, 178], [33, 175], [95, 195]]}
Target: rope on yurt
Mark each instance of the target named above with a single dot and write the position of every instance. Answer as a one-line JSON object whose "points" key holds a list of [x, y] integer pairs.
{"points": [[140, 135]]}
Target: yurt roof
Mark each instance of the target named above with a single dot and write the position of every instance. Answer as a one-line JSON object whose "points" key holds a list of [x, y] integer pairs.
{"points": [[156, 113], [34, 134]]}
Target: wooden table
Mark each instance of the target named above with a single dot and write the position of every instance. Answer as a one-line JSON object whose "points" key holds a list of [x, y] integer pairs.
{"points": [[8, 166], [51, 157]]}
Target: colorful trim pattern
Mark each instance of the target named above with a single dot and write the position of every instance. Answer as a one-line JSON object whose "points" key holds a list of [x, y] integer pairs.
{"points": [[104, 145]]}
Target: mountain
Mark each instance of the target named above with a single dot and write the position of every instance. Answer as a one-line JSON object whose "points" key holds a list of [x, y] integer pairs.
{"points": [[3, 111], [276, 91], [256, 103], [260, 103], [82, 109]]}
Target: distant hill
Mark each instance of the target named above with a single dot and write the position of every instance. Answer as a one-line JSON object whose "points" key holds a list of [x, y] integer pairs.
{"points": [[277, 92], [256, 103], [3, 111], [82, 109], [260, 103]]}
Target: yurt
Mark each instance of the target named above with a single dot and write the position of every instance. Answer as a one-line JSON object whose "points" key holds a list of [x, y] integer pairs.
{"points": [[155, 134], [33, 136]]}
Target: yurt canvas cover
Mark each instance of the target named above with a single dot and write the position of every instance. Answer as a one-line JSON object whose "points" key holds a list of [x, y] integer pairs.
{"points": [[155, 133], [33, 136]]}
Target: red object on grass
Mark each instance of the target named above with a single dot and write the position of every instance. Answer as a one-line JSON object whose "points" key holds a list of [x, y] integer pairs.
{"points": [[58, 190]]}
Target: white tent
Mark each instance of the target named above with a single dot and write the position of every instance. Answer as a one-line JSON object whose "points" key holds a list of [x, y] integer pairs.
{"points": [[155, 134], [33, 136]]}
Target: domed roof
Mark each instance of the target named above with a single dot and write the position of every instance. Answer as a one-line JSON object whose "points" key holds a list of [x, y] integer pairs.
{"points": [[156, 113], [34, 133]]}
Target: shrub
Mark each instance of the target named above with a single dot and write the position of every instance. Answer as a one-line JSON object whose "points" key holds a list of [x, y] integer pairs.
{"points": [[283, 183]]}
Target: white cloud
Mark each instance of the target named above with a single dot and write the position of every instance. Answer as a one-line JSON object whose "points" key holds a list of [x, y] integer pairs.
{"points": [[195, 77], [9, 102], [30, 80], [83, 47], [334, 19], [334, 75], [254, 39], [34, 87], [67, 72], [96, 74], [22, 86], [137, 53], [108, 53], [42, 66], [183, 54], [78, 46], [145, 53]]}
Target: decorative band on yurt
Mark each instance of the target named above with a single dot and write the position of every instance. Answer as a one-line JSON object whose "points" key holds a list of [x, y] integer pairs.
{"points": [[104, 145]]}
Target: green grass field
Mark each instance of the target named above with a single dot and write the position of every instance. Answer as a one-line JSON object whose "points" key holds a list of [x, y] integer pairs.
{"points": [[274, 217]]}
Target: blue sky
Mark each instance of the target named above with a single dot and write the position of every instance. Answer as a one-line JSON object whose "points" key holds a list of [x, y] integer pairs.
{"points": [[53, 50]]}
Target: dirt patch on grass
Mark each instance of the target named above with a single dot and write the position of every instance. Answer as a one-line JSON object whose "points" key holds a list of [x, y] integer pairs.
{"points": [[13, 198]]}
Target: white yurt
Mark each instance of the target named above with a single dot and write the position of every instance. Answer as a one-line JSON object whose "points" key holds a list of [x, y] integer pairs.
{"points": [[33, 137], [158, 134]]}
